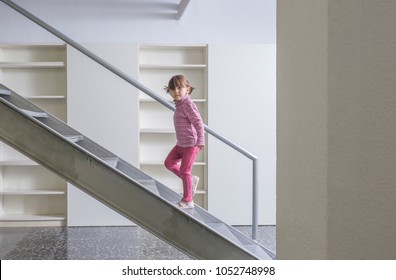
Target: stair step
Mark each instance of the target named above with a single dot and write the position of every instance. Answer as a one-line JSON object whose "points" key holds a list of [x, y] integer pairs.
{"points": [[223, 229], [5, 91], [74, 138], [259, 252], [196, 215], [150, 185], [35, 114], [112, 161]]}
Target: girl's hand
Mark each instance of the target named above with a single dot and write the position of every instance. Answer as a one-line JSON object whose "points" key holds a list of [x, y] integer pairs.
{"points": [[201, 147]]}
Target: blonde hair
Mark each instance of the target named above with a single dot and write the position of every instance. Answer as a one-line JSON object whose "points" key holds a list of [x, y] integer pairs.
{"points": [[178, 81]]}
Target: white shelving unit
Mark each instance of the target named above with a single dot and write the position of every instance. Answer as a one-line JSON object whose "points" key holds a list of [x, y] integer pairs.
{"points": [[157, 64], [30, 195]]}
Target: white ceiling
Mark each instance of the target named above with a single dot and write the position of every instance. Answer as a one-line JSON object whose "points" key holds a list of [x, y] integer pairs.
{"points": [[148, 21]]}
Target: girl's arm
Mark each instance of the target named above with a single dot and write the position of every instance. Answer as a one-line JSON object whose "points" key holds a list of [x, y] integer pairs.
{"points": [[196, 120]]}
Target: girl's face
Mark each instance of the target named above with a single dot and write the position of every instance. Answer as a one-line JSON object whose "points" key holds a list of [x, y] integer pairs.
{"points": [[179, 92]]}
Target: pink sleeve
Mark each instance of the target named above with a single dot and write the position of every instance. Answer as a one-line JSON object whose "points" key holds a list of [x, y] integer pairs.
{"points": [[196, 120]]}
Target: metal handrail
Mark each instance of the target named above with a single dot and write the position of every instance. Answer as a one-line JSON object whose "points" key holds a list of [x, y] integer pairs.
{"points": [[152, 94]]}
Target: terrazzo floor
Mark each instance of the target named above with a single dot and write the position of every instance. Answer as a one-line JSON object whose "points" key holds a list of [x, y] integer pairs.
{"points": [[98, 243]]}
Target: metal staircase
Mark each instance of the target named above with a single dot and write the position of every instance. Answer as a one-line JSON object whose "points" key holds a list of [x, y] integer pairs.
{"points": [[117, 184]]}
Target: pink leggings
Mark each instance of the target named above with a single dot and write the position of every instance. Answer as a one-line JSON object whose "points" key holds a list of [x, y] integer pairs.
{"points": [[187, 156]]}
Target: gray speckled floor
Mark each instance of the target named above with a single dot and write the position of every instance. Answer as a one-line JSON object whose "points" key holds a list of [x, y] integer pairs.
{"points": [[98, 243]]}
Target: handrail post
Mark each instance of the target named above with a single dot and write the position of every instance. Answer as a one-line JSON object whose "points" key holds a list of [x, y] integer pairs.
{"points": [[255, 199]]}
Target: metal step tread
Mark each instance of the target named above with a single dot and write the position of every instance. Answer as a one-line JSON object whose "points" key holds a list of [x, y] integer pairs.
{"points": [[35, 114], [5, 91], [150, 184], [74, 138], [223, 229], [112, 161]]}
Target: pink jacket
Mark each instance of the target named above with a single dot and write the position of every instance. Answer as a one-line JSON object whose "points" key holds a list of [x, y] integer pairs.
{"points": [[188, 123]]}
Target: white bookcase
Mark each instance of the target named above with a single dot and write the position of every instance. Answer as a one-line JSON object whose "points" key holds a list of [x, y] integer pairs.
{"points": [[30, 195], [157, 64]]}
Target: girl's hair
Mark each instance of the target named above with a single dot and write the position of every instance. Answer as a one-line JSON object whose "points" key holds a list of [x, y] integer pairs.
{"points": [[178, 81]]}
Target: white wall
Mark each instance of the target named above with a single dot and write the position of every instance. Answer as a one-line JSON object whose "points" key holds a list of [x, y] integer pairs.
{"points": [[141, 21], [102, 107], [242, 102]]}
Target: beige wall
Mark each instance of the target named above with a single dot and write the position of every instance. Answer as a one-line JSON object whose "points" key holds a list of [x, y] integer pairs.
{"points": [[336, 129], [301, 129]]}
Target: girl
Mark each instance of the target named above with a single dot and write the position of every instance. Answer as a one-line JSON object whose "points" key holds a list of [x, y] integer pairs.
{"points": [[190, 138]]}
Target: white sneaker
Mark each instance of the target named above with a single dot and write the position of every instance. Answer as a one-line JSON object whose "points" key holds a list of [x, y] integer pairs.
{"points": [[185, 205], [195, 181]]}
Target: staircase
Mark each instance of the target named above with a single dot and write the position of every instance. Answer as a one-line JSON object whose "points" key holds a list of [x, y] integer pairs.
{"points": [[118, 184]]}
